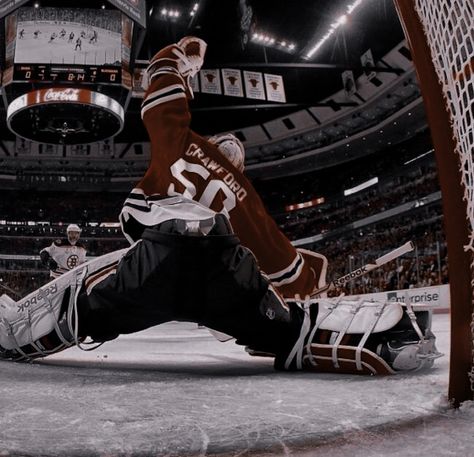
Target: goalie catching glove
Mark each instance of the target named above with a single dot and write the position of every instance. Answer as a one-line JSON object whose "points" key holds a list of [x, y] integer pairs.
{"points": [[184, 59]]}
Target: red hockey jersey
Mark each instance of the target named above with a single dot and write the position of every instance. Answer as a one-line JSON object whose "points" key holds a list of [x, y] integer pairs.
{"points": [[185, 164]]}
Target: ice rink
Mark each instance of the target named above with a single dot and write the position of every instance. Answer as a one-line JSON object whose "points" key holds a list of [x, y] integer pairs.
{"points": [[175, 391]]}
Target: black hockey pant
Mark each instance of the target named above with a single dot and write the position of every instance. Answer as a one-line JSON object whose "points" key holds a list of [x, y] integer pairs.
{"points": [[211, 280]]}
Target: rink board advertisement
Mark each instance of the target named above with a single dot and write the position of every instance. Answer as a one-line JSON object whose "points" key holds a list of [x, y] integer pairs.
{"points": [[435, 296]]}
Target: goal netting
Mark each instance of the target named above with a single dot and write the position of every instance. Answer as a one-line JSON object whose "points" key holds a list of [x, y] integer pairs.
{"points": [[441, 38]]}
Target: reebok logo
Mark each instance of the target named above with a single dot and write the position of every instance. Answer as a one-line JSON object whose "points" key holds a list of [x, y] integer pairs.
{"points": [[349, 277], [42, 294]]}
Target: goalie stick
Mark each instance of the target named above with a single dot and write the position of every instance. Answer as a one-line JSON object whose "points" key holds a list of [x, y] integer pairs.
{"points": [[357, 273]]}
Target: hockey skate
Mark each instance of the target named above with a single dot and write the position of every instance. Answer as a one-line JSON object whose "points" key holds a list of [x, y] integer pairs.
{"points": [[318, 264], [360, 337]]}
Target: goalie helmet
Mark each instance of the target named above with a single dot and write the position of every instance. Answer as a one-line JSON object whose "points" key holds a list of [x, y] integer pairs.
{"points": [[73, 233], [231, 147]]}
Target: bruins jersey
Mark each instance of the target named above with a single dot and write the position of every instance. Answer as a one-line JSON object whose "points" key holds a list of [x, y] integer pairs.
{"points": [[66, 255], [186, 166]]}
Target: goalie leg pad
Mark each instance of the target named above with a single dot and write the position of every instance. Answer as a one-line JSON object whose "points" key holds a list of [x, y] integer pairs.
{"points": [[320, 358], [45, 321], [360, 337]]}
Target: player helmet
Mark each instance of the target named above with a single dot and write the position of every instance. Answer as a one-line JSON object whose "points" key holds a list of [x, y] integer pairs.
{"points": [[231, 147], [73, 233]]}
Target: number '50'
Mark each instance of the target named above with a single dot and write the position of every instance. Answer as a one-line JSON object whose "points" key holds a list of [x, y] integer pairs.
{"points": [[211, 187]]}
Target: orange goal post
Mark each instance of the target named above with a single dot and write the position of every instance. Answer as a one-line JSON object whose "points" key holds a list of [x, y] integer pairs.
{"points": [[440, 34]]}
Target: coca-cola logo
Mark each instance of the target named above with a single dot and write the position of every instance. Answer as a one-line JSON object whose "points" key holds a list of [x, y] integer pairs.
{"points": [[62, 95]]}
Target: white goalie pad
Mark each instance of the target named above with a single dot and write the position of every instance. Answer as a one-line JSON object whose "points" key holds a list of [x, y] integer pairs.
{"points": [[32, 317], [357, 316], [350, 324], [25, 321]]}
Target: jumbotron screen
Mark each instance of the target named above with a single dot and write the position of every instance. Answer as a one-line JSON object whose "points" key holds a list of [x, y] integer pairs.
{"points": [[66, 44], [68, 36]]}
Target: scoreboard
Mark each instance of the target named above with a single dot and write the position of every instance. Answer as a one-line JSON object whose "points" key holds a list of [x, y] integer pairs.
{"points": [[67, 74], [67, 70]]}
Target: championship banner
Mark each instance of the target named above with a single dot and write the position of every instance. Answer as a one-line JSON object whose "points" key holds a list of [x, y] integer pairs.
{"points": [[210, 82], [134, 9], [232, 82], [254, 85], [275, 88], [8, 6]]}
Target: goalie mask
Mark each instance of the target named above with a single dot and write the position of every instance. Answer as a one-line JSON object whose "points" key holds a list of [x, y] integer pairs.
{"points": [[231, 147], [73, 233]]}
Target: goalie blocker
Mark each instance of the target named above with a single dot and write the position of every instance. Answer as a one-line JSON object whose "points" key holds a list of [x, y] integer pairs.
{"points": [[177, 273]]}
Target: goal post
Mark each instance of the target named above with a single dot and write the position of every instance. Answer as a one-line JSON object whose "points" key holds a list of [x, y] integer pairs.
{"points": [[441, 40]]}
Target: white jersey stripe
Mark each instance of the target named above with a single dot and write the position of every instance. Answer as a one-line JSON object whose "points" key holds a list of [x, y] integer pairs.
{"points": [[159, 93], [160, 101]]}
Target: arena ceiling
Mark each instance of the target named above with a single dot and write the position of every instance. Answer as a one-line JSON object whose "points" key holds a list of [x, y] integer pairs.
{"points": [[229, 28]]}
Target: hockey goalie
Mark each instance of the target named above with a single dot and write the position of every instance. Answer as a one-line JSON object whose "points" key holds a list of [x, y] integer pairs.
{"points": [[203, 249]]}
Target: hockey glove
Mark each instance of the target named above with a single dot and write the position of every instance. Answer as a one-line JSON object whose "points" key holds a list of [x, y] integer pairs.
{"points": [[48, 261], [183, 59]]}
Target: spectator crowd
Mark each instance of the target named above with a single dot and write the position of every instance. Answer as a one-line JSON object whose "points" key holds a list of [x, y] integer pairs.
{"points": [[42, 217]]}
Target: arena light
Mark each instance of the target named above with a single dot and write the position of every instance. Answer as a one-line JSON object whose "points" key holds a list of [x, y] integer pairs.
{"points": [[343, 19], [270, 41], [364, 185], [194, 10], [170, 13]]}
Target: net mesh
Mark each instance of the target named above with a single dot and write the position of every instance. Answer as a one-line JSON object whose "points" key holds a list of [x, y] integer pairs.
{"points": [[449, 29]]}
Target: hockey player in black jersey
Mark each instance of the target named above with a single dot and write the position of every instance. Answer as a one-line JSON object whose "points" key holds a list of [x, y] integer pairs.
{"points": [[188, 265]]}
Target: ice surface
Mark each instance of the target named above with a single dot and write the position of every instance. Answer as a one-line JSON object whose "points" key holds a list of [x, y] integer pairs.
{"points": [[174, 391]]}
